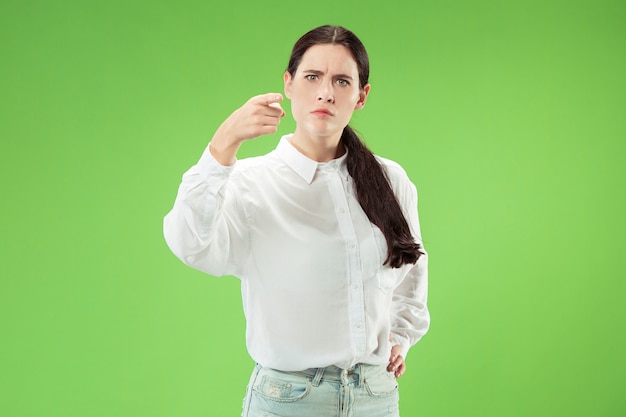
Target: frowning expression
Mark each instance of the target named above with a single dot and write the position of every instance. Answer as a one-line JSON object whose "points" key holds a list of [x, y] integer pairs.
{"points": [[325, 91]]}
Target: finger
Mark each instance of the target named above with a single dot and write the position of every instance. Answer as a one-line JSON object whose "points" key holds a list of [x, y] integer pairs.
{"points": [[268, 120], [277, 107], [395, 351], [395, 363], [393, 359], [267, 99], [399, 361], [272, 109], [400, 371], [266, 130]]}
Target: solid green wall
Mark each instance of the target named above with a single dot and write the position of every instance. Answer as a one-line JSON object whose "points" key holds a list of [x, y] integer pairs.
{"points": [[508, 116]]}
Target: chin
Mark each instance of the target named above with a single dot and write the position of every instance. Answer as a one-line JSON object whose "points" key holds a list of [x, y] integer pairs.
{"points": [[323, 128]]}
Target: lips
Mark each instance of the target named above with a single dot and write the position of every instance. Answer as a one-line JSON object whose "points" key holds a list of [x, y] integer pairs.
{"points": [[322, 112]]}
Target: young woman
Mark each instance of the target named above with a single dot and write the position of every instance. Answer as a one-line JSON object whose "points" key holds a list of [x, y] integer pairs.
{"points": [[323, 235]]}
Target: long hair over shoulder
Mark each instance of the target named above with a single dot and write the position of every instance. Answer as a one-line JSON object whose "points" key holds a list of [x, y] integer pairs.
{"points": [[372, 187]]}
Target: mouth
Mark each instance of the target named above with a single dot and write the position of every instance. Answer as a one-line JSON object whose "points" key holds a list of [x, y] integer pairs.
{"points": [[322, 112]]}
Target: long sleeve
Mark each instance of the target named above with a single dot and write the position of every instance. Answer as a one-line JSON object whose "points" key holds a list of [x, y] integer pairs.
{"points": [[410, 318], [206, 228], [314, 288]]}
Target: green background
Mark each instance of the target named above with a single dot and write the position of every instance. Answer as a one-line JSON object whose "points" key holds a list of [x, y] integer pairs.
{"points": [[510, 117]]}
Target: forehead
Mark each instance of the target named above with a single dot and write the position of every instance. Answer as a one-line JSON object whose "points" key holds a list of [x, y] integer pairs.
{"points": [[329, 58]]}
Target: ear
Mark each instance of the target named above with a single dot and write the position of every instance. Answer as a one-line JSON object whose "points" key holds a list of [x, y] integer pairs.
{"points": [[362, 97], [288, 81]]}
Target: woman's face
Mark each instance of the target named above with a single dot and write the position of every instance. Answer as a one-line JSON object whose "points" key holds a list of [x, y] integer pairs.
{"points": [[324, 91]]}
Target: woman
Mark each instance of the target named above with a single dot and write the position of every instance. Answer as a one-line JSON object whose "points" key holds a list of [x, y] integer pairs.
{"points": [[323, 235]]}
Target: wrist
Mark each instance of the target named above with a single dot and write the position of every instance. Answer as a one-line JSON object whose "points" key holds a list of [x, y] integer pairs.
{"points": [[224, 153]]}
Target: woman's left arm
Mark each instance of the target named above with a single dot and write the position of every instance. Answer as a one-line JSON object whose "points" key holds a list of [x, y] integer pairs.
{"points": [[410, 318]]}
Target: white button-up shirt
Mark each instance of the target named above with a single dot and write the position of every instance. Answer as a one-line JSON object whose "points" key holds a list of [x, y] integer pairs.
{"points": [[315, 291]]}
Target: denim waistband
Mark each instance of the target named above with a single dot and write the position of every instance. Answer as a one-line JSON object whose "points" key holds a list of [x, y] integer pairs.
{"points": [[333, 373]]}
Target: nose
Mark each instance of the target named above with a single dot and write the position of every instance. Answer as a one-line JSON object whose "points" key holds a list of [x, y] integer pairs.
{"points": [[325, 93]]}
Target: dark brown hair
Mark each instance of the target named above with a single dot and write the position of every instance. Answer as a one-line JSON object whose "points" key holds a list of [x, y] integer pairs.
{"points": [[372, 187]]}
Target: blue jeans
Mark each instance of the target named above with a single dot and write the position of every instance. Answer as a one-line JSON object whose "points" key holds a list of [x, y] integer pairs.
{"points": [[361, 391]]}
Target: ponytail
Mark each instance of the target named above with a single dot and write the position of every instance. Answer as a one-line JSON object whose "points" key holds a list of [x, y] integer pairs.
{"points": [[372, 187], [374, 193]]}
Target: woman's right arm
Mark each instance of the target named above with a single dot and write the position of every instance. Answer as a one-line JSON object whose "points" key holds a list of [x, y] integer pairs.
{"points": [[206, 227], [259, 116]]}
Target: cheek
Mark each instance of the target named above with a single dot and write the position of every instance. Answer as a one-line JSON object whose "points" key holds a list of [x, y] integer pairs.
{"points": [[348, 98], [295, 110], [350, 102], [298, 102]]}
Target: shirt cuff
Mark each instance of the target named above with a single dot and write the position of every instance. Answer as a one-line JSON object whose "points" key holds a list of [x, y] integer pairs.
{"points": [[403, 342], [210, 168]]}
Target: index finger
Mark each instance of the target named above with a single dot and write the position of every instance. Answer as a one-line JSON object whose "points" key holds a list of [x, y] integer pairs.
{"points": [[267, 99]]}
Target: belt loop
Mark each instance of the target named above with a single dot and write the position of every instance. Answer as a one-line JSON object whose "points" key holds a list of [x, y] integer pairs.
{"points": [[361, 377], [318, 377]]}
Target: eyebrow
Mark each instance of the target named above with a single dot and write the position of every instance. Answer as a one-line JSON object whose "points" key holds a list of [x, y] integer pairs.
{"points": [[317, 72]]}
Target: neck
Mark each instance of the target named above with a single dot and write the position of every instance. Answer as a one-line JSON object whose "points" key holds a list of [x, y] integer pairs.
{"points": [[320, 149]]}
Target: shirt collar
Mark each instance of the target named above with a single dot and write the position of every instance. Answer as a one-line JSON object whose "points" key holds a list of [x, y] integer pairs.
{"points": [[304, 166]]}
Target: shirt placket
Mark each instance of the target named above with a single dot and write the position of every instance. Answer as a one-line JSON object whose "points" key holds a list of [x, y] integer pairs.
{"points": [[355, 277]]}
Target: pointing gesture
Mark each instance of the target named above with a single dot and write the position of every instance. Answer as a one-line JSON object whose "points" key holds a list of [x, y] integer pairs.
{"points": [[258, 116]]}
